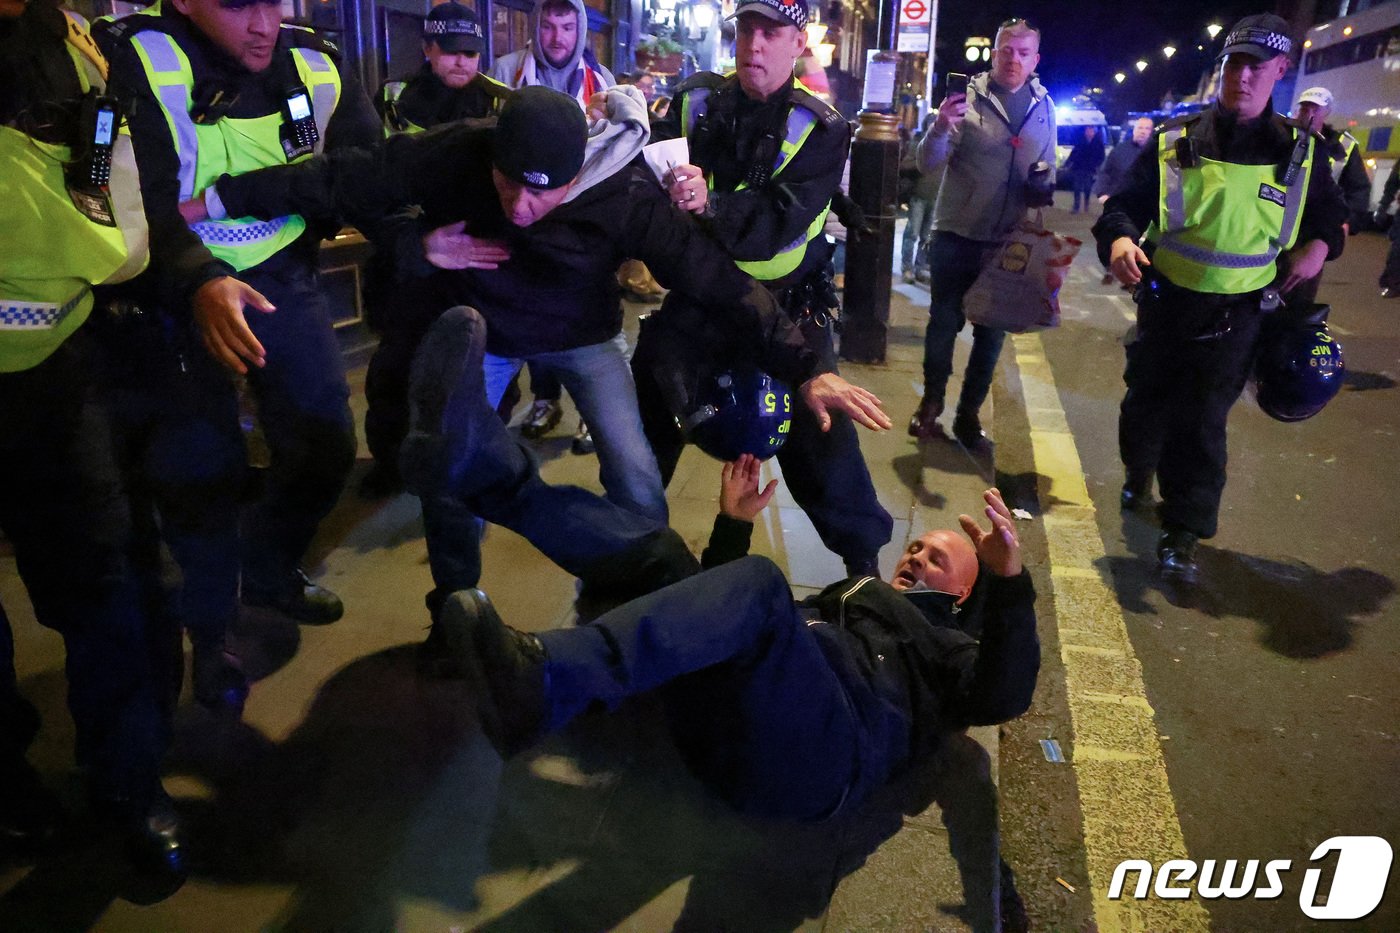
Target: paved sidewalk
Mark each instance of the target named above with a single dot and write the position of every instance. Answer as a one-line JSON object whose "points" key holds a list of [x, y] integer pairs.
{"points": [[354, 797]]}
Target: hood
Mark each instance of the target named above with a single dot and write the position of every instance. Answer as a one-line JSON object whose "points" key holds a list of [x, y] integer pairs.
{"points": [[615, 140], [558, 78]]}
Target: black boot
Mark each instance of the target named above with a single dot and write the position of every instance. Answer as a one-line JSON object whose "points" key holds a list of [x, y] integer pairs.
{"points": [[1176, 555], [217, 678], [296, 597], [967, 428], [924, 423], [507, 667], [151, 833], [1137, 490], [447, 400]]}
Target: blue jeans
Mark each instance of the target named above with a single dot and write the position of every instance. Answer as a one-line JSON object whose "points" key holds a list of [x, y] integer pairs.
{"points": [[954, 263], [916, 230]]}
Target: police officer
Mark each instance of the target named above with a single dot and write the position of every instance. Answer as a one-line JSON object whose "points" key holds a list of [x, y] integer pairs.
{"points": [[1237, 206], [767, 158], [451, 86], [226, 89], [72, 218]]}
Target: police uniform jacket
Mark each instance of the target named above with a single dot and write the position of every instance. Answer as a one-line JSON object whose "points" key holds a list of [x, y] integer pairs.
{"points": [[1219, 135], [188, 263], [427, 102], [559, 289], [907, 658], [1353, 179], [756, 223]]}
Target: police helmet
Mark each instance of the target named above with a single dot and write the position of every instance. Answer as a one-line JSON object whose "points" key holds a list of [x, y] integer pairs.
{"points": [[740, 411], [1298, 368]]}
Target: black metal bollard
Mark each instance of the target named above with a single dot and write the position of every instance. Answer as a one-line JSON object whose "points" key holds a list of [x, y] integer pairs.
{"points": [[870, 256]]}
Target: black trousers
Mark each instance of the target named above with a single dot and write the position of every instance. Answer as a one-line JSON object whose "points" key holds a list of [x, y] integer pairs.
{"points": [[1390, 275], [1186, 368], [63, 506]]}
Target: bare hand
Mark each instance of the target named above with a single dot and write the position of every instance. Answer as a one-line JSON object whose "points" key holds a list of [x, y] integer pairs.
{"points": [[685, 186], [597, 108], [194, 210], [739, 495], [951, 112], [218, 312], [829, 392], [999, 548], [1304, 262], [450, 248], [1125, 259]]}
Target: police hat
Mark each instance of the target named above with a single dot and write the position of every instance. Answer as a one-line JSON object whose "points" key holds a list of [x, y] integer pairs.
{"points": [[787, 12], [1264, 35], [454, 28], [540, 138]]}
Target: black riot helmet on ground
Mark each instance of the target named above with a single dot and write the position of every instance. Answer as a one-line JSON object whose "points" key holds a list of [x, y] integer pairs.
{"points": [[740, 411], [1298, 367]]}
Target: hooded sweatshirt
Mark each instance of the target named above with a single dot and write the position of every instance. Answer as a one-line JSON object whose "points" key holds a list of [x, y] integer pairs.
{"points": [[580, 76]]}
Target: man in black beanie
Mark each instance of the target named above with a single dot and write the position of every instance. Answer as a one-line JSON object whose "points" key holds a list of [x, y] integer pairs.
{"points": [[537, 213]]}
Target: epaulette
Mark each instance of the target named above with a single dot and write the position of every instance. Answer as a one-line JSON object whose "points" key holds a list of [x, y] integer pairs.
{"points": [[827, 115], [300, 37], [496, 89], [1185, 119], [701, 79]]}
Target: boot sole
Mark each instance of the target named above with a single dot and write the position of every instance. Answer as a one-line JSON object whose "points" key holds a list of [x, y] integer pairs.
{"points": [[447, 369]]}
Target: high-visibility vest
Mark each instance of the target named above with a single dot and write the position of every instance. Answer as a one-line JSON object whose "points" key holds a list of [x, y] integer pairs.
{"points": [[232, 146], [1221, 225], [1349, 144], [800, 123], [54, 253]]}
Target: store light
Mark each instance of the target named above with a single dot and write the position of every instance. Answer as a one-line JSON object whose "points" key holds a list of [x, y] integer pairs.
{"points": [[1346, 31], [824, 52], [703, 15], [1307, 43], [816, 34], [973, 54]]}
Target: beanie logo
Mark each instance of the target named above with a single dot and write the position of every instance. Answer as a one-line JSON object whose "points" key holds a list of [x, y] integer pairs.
{"points": [[538, 179]]}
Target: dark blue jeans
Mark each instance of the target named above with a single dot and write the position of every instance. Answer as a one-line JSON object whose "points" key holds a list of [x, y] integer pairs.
{"points": [[954, 263], [63, 507]]}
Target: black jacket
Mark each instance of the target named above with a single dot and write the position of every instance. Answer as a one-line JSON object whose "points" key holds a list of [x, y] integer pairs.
{"points": [[559, 289], [182, 260], [1354, 181], [756, 223], [1115, 168], [1267, 140], [427, 102]]}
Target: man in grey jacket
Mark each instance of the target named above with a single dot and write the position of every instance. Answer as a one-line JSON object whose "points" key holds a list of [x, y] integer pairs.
{"points": [[990, 140]]}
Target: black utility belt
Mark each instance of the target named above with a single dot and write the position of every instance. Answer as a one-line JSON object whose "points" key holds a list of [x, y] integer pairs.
{"points": [[811, 301]]}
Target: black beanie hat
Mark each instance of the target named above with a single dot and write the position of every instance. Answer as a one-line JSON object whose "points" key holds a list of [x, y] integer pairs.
{"points": [[540, 138]]}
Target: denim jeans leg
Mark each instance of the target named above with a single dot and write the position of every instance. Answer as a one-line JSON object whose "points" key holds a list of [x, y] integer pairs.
{"points": [[599, 379], [954, 262], [981, 366]]}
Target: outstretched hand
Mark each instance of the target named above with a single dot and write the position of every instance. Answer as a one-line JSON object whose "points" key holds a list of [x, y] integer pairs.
{"points": [[739, 495], [450, 247], [828, 392], [999, 548]]}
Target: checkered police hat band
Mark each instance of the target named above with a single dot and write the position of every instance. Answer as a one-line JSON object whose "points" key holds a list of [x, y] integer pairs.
{"points": [[1252, 35], [794, 11], [452, 27]]}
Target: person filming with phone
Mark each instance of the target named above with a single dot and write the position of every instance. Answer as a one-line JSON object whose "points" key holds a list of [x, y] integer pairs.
{"points": [[995, 134]]}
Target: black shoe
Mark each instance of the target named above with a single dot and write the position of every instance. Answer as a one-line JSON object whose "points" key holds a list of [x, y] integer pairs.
{"points": [[217, 678], [967, 428], [31, 818], [297, 598], [1176, 556], [507, 667], [381, 482], [153, 838], [447, 396], [583, 441], [543, 416], [1390, 292], [1137, 490], [924, 423]]}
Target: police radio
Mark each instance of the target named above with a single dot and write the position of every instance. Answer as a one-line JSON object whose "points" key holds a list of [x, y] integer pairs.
{"points": [[299, 133], [90, 172]]}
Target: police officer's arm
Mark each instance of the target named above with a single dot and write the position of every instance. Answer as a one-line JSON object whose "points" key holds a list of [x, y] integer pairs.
{"points": [[187, 274], [1320, 233], [1356, 183], [355, 122], [1126, 214]]}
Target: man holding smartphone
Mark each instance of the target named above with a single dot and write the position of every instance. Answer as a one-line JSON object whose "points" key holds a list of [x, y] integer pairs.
{"points": [[995, 134]]}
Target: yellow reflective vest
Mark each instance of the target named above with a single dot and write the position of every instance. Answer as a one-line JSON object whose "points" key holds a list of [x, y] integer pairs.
{"points": [[232, 146], [54, 253], [1221, 225]]}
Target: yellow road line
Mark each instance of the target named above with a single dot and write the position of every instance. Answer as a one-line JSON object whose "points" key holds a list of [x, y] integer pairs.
{"points": [[1122, 777]]}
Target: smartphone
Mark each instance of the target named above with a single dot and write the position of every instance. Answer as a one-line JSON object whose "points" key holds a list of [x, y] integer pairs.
{"points": [[955, 83]]}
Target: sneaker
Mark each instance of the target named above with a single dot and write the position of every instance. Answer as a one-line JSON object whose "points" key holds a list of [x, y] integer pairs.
{"points": [[543, 416], [381, 482], [967, 428], [1176, 556], [583, 441], [296, 597], [507, 667], [446, 383], [1137, 490], [924, 423], [217, 678]]}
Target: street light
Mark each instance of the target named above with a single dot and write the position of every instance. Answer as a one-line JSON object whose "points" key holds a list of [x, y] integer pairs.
{"points": [[1119, 77], [1169, 50], [1141, 65], [1213, 30]]}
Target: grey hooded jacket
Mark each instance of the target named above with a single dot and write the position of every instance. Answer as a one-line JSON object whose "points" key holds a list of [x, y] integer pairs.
{"points": [[529, 66], [983, 190]]}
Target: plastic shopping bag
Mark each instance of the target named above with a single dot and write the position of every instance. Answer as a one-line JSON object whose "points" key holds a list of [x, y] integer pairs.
{"points": [[1019, 286]]}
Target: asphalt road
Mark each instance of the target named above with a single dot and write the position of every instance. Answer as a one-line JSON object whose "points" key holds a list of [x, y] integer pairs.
{"points": [[1273, 685]]}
